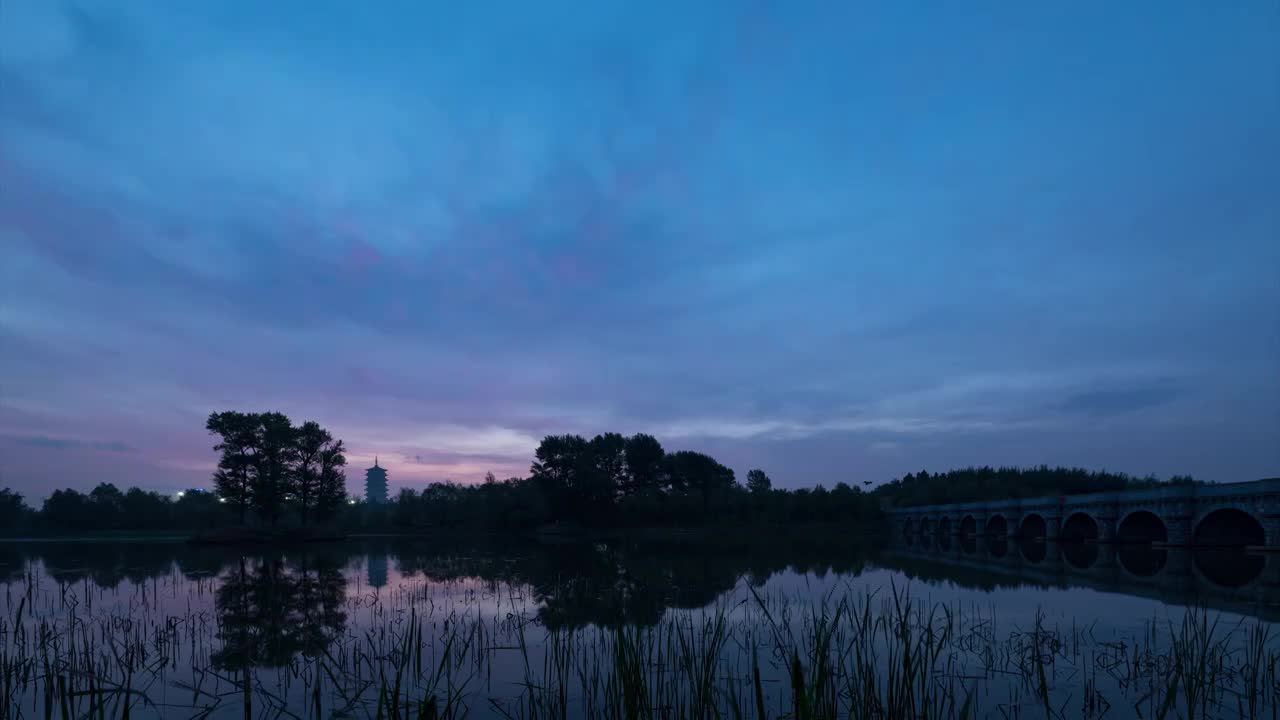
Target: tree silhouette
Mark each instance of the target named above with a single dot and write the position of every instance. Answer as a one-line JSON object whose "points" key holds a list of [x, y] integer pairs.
{"points": [[758, 482], [310, 441], [332, 490], [273, 475], [239, 445], [644, 456], [12, 508]]}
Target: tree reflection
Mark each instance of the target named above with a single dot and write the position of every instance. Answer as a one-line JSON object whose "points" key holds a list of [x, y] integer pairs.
{"points": [[611, 585], [269, 611]]}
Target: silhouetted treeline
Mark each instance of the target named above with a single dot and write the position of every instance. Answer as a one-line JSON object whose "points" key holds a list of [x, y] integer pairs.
{"points": [[268, 465], [106, 508], [615, 481], [986, 483]]}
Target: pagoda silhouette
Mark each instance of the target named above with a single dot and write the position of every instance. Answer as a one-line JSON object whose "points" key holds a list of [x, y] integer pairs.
{"points": [[375, 484]]}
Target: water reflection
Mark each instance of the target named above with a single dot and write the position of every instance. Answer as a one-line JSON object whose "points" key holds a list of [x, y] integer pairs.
{"points": [[1229, 579], [269, 611], [1033, 550], [272, 605], [1230, 569], [1142, 560], [1080, 555]]}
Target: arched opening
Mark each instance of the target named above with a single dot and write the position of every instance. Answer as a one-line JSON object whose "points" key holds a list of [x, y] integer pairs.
{"points": [[1141, 526], [1229, 527], [1033, 527], [1142, 560], [969, 544], [926, 527], [968, 526], [944, 526], [944, 541], [1228, 568], [997, 546], [908, 528], [1079, 527], [1080, 555], [997, 526], [1033, 550]]}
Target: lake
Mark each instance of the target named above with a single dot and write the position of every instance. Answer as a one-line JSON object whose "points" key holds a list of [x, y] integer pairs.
{"points": [[383, 627]]}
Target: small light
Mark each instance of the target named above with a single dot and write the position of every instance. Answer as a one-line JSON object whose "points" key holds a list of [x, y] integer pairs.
{"points": [[351, 502], [181, 493], [222, 500]]}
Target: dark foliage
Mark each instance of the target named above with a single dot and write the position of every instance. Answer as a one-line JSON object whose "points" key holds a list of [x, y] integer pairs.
{"points": [[973, 484], [267, 466]]}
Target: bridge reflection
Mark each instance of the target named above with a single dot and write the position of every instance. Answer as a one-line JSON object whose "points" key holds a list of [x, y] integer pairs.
{"points": [[1225, 579]]}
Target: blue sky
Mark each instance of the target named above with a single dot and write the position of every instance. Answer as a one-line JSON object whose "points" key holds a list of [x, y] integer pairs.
{"points": [[838, 241]]}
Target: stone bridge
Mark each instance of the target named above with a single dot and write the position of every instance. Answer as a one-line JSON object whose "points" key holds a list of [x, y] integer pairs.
{"points": [[1229, 514]]}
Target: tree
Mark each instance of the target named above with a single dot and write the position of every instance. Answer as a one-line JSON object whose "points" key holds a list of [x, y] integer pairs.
{"points": [[12, 509], [274, 466], [608, 454], [144, 510], [758, 482], [556, 461], [644, 456], [332, 490], [239, 444], [66, 510], [695, 472], [107, 503], [310, 442]]}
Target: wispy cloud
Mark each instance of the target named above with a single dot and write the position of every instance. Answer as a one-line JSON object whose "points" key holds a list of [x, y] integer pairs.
{"points": [[754, 230], [62, 443]]}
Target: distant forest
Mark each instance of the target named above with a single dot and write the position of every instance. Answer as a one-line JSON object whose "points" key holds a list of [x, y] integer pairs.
{"points": [[271, 472]]}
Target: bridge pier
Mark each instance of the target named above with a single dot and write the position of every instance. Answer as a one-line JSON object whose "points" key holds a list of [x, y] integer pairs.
{"points": [[1053, 528], [1178, 530], [1106, 528]]}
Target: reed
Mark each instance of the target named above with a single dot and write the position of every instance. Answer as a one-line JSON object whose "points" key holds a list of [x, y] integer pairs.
{"points": [[455, 650]]}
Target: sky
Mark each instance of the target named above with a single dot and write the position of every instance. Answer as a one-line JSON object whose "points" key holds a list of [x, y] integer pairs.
{"points": [[837, 241]]}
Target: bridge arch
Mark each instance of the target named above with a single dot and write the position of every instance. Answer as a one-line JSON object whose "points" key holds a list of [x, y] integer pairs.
{"points": [[1142, 561], [1033, 550], [944, 526], [1141, 526], [1229, 527], [968, 526], [997, 546], [926, 526], [1033, 526], [908, 528], [1079, 526], [1080, 555], [997, 526]]}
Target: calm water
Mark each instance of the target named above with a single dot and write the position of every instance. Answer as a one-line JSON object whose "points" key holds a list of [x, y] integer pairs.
{"points": [[199, 622]]}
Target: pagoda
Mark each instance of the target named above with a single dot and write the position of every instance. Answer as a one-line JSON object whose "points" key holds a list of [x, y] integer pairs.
{"points": [[375, 484]]}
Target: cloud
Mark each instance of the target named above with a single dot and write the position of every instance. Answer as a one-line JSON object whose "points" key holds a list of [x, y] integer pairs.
{"points": [[55, 443], [1118, 401], [747, 231]]}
